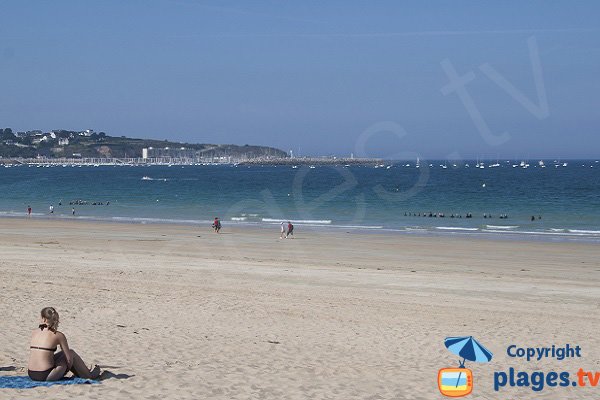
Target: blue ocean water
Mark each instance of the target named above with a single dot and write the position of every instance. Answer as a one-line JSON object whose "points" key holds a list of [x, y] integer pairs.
{"points": [[392, 197]]}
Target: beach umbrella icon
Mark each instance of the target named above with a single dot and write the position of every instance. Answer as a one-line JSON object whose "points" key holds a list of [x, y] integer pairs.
{"points": [[469, 349]]}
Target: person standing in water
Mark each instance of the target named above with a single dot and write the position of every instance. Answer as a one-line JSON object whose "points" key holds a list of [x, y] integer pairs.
{"points": [[51, 209], [73, 210], [29, 211]]}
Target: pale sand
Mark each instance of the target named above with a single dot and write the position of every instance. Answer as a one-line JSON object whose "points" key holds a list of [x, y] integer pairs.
{"points": [[188, 314]]}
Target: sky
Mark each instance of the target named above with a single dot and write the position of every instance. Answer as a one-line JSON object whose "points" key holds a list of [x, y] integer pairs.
{"points": [[394, 79]]}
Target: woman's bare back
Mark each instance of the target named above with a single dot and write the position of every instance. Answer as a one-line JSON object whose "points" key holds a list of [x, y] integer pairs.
{"points": [[43, 345]]}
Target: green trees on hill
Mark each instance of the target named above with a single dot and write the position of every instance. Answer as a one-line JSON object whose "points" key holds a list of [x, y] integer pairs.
{"points": [[7, 134], [64, 143]]}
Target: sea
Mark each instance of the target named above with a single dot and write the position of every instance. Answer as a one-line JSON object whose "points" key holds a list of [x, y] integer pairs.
{"points": [[554, 200]]}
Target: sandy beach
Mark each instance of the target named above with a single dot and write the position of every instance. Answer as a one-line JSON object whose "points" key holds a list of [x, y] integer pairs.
{"points": [[177, 312]]}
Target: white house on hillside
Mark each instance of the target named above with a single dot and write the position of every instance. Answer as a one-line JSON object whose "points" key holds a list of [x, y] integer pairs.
{"points": [[87, 132], [40, 138]]}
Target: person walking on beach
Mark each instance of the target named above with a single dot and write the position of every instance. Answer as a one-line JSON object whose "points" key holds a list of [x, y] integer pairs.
{"points": [[283, 232], [217, 225], [46, 365], [51, 209], [29, 211], [290, 230]]}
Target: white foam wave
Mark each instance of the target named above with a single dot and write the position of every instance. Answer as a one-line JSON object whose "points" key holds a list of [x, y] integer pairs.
{"points": [[584, 231], [571, 233], [238, 218], [456, 228], [502, 226], [154, 220], [16, 213]]}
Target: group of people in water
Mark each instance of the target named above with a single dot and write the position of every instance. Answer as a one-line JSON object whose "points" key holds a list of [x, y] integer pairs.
{"points": [[85, 203], [467, 215], [71, 203], [51, 208], [442, 215]]}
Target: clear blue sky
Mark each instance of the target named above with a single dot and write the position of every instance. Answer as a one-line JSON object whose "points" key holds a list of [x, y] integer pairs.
{"points": [[308, 75]]}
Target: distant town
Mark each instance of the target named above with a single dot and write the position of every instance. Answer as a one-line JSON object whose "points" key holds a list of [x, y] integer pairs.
{"points": [[88, 147]]}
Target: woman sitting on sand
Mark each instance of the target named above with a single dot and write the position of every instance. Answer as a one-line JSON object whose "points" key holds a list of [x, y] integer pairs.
{"points": [[44, 364]]}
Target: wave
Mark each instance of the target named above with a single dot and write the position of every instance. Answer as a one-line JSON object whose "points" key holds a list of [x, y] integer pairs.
{"points": [[18, 214], [300, 221], [500, 230], [551, 232], [502, 226], [584, 231], [151, 220], [456, 228], [412, 230]]}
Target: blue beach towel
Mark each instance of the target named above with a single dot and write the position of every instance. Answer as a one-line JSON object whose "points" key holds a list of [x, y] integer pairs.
{"points": [[24, 382]]}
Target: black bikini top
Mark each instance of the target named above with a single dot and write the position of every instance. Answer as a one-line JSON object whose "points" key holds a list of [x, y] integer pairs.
{"points": [[42, 348], [42, 326]]}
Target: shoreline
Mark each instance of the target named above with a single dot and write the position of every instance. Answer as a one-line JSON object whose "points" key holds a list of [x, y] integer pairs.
{"points": [[552, 236], [86, 230]]}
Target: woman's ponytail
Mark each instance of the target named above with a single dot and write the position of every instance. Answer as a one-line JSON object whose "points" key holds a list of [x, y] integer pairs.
{"points": [[51, 316]]}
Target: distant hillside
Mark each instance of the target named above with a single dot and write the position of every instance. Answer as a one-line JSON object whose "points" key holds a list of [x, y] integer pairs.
{"points": [[63, 143]]}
